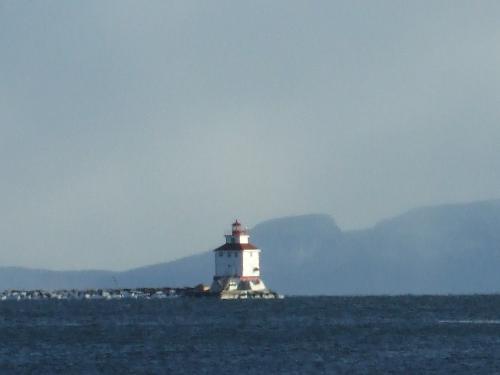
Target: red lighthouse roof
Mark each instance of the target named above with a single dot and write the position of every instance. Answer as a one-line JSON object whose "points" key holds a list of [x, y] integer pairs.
{"points": [[237, 246]]}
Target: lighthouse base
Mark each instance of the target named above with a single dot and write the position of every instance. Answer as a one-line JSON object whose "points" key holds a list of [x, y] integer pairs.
{"points": [[268, 294], [240, 288]]}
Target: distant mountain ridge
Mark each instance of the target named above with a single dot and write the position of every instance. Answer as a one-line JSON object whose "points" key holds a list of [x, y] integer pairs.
{"points": [[452, 248]]}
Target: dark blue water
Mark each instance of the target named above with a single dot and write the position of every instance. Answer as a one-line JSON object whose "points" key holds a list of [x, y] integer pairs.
{"points": [[293, 336]]}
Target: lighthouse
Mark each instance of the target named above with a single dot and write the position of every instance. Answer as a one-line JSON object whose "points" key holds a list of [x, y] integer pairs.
{"points": [[237, 267]]}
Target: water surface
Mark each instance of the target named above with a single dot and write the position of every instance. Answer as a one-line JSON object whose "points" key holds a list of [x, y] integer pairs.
{"points": [[453, 334]]}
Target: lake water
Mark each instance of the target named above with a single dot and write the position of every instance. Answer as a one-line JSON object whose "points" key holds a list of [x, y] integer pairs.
{"points": [[298, 335]]}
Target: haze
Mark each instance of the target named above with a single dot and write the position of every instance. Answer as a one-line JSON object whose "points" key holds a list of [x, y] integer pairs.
{"points": [[135, 132]]}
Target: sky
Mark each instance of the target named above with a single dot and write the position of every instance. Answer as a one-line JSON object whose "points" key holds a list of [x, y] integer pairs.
{"points": [[134, 132]]}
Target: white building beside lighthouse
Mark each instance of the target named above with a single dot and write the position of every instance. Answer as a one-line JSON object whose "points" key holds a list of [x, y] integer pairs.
{"points": [[237, 267]]}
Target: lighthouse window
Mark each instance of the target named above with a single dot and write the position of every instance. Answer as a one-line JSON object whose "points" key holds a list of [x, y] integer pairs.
{"points": [[236, 255], [220, 254]]}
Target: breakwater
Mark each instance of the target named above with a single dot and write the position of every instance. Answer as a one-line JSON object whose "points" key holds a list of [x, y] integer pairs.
{"points": [[105, 294]]}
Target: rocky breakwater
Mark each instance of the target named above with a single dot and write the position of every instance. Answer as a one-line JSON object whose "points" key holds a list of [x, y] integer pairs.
{"points": [[103, 294]]}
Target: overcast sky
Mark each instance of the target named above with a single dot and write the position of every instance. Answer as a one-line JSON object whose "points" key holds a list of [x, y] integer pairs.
{"points": [[134, 132]]}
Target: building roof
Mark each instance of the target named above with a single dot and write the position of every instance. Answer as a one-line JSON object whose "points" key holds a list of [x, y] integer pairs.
{"points": [[237, 246]]}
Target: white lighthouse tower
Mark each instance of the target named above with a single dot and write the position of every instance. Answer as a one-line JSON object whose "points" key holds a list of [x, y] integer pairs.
{"points": [[237, 267]]}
